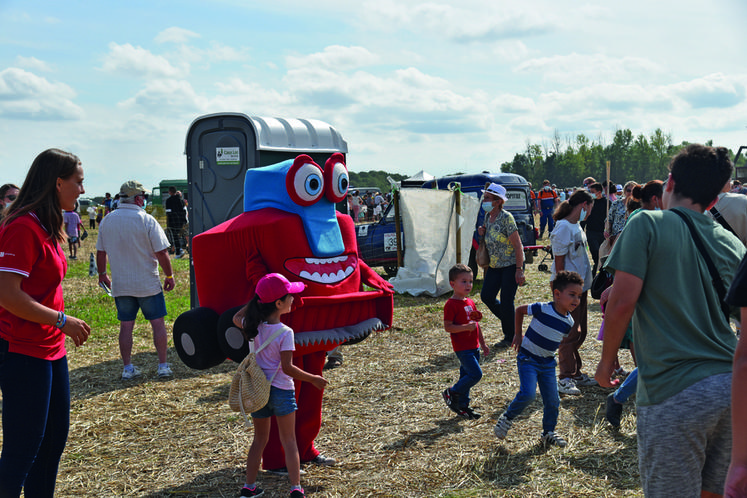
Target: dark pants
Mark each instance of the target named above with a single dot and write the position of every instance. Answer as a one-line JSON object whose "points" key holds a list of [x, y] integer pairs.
{"points": [[595, 240], [470, 374], [36, 418], [569, 359], [92, 223], [503, 280], [174, 234]]}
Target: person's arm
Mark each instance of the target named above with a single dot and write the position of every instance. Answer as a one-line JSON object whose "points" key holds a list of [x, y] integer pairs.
{"points": [[165, 262], [559, 263], [101, 265], [521, 312], [736, 479], [453, 328], [286, 360], [515, 241], [19, 303], [483, 345], [617, 315]]}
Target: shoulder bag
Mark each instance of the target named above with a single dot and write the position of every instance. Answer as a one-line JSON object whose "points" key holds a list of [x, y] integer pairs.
{"points": [[718, 283]]}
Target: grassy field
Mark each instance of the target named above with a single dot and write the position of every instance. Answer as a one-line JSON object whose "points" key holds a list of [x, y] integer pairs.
{"points": [[384, 419]]}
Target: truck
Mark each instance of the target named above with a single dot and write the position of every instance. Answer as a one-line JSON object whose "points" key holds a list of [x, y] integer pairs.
{"points": [[377, 244]]}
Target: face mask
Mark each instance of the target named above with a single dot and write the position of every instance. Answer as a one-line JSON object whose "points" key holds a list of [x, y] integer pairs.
{"points": [[7, 204], [657, 208], [487, 206], [582, 216]]}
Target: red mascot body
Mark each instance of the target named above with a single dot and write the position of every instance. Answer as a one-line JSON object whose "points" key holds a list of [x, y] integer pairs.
{"points": [[290, 226]]}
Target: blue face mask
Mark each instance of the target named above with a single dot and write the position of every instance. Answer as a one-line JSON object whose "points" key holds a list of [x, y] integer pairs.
{"points": [[657, 208], [582, 216], [487, 206]]}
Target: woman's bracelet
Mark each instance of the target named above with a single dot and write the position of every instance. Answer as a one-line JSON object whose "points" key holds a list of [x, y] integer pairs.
{"points": [[61, 320]]}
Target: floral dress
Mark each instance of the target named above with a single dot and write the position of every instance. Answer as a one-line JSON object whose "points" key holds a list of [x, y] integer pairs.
{"points": [[500, 249]]}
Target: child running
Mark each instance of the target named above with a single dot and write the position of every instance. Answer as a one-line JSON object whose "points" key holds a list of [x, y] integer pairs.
{"points": [[460, 321], [550, 323], [260, 321]]}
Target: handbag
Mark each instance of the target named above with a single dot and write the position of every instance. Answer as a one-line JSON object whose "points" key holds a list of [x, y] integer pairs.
{"points": [[250, 388], [716, 280], [602, 280], [482, 257]]}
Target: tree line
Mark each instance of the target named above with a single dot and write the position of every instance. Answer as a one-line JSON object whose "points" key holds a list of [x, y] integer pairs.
{"points": [[376, 179], [566, 161]]}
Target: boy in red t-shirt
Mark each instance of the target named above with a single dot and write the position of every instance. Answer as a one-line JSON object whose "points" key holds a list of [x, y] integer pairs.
{"points": [[460, 321]]}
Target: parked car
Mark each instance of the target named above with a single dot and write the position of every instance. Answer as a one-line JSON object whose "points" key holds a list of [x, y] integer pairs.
{"points": [[377, 241]]}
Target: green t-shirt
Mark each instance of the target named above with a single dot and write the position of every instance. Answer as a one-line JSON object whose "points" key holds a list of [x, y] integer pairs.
{"points": [[679, 332]]}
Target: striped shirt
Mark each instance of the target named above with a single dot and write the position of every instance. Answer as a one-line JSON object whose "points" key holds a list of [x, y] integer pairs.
{"points": [[545, 331]]}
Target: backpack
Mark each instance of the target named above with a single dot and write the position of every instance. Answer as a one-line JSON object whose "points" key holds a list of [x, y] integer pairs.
{"points": [[250, 388]]}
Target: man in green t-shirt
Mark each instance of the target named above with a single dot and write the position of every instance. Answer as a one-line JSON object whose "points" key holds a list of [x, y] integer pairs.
{"points": [[684, 344]]}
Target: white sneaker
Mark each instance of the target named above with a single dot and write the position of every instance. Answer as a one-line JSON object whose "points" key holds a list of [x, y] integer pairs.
{"points": [[165, 371], [567, 386], [502, 426], [131, 374], [584, 380]]}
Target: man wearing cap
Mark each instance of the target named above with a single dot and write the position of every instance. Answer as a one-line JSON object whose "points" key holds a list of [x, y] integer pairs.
{"points": [[136, 244], [548, 198]]}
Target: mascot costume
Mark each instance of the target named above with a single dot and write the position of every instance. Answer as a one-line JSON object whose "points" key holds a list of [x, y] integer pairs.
{"points": [[289, 226]]}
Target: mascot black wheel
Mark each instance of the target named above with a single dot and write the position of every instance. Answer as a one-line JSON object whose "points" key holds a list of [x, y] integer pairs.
{"points": [[542, 267], [230, 339], [194, 339]]}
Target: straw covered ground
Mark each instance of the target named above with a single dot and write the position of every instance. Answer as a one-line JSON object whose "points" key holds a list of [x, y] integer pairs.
{"points": [[384, 418]]}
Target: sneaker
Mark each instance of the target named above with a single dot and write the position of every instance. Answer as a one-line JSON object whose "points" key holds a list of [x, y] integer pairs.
{"points": [[553, 439], [282, 471], [323, 460], [471, 414], [614, 411], [257, 491], [621, 372], [165, 371], [584, 380], [567, 386], [131, 374], [505, 343], [502, 426], [298, 493]]}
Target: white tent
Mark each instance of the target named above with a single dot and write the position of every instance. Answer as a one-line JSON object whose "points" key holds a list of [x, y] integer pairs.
{"points": [[430, 224], [417, 179]]}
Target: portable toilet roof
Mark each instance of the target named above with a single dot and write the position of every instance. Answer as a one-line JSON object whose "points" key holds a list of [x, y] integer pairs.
{"points": [[221, 147]]}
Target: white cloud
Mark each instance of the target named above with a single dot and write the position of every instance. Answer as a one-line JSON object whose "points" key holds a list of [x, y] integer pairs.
{"points": [[176, 97], [334, 58], [33, 63], [24, 95], [175, 35], [714, 90], [584, 69], [139, 62]]}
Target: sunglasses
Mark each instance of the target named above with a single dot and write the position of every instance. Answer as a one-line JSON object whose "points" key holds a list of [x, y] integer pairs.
{"points": [[628, 190], [11, 197]]}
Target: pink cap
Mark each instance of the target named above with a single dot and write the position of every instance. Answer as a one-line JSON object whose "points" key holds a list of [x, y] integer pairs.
{"points": [[274, 286]]}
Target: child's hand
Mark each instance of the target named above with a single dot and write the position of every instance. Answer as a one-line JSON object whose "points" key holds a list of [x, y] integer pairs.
{"points": [[485, 349], [319, 382], [475, 315], [472, 326], [516, 343]]}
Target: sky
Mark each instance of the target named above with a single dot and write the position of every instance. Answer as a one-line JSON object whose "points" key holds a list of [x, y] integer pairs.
{"points": [[410, 85]]}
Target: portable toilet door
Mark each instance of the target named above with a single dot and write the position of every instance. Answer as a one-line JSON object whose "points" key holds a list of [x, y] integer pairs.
{"points": [[221, 147]]}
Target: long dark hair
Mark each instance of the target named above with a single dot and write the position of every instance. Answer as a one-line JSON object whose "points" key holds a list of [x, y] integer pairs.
{"points": [[565, 207], [39, 191], [256, 313], [4, 190]]}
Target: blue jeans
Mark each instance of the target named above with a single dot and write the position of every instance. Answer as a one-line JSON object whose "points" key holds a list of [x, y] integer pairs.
{"points": [[503, 280], [627, 388], [153, 307], [281, 402], [36, 418], [532, 373], [546, 209], [470, 374]]}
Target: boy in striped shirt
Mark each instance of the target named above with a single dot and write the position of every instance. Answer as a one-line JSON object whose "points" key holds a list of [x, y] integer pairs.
{"points": [[536, 354]]}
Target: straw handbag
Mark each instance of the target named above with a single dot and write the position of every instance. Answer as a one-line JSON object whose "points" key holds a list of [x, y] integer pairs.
{"points": [[250, 388]]}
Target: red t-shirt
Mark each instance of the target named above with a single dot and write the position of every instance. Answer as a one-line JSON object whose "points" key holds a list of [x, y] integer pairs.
{"points": [[27, 249], [457, 312]]}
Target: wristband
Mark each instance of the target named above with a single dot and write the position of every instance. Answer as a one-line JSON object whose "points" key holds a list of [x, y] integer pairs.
{"points": [[102, 273], [61, 320], [169, 276]]}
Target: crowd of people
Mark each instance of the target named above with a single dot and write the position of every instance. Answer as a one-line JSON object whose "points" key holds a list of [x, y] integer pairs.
{"points": [[673, 248], [369, 206]]}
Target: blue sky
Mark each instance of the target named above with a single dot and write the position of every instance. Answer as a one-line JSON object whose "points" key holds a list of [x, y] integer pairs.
{"points": [[410, 85]]}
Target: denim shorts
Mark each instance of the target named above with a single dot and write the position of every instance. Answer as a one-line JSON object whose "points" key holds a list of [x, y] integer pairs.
{"points": [[282, 402], [153, 307]]}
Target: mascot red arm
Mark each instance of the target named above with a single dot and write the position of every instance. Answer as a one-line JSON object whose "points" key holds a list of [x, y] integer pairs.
{"points": [[290, 226]]}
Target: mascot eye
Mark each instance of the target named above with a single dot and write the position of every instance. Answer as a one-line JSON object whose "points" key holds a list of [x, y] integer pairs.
{"points": [[304, 181], [336, 178]]}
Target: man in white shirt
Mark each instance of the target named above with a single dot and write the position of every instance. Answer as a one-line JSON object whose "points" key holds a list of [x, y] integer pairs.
{"points": [[136, 244]]}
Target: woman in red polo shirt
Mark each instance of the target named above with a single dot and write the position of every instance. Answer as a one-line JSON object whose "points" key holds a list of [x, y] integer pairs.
{"points": [[33, 363]]}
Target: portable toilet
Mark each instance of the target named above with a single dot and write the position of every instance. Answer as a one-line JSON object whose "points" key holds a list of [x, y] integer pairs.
{"points": [[221, 147]]}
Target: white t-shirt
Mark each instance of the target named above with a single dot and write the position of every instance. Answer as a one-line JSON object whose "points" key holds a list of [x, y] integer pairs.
{"points": [[131, 237], [91, 212], [269, 358], [570, 241]]}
